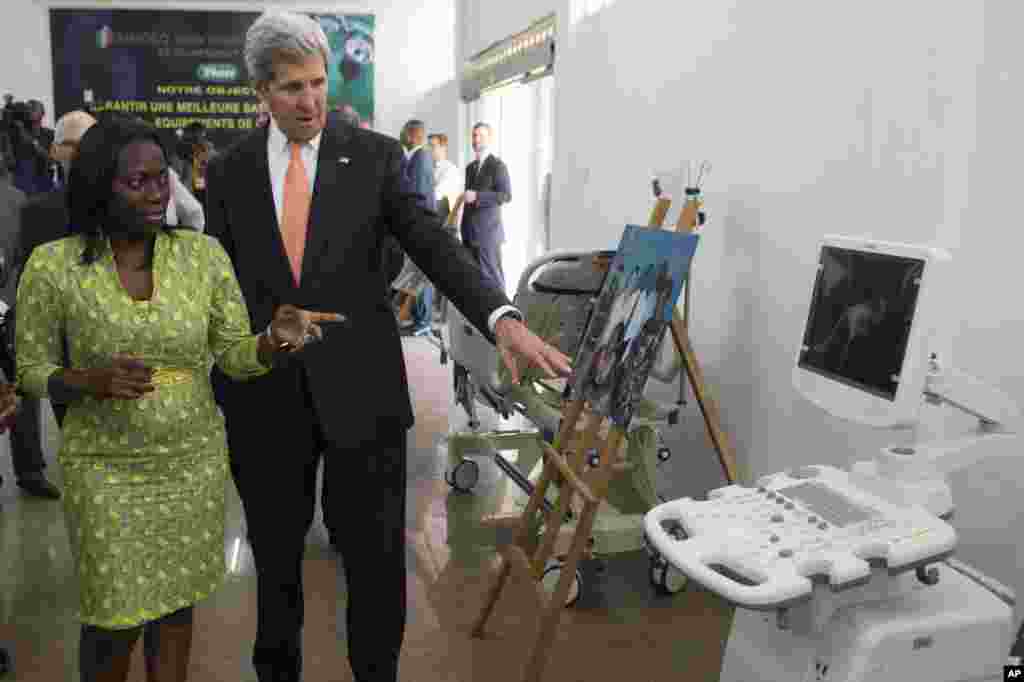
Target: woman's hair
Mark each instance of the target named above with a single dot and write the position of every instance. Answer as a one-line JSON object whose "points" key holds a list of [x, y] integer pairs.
{"points": [[90, 182]]}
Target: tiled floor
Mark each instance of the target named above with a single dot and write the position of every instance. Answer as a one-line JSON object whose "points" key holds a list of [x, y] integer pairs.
{"points": [[618, 629]]}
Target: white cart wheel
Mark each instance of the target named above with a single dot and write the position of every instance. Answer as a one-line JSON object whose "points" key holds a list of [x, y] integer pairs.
{"points": [[550, 579], [666, 578], [465, 476]]}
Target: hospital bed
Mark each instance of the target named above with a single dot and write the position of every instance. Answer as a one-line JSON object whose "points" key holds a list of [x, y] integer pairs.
{"points": [[555, 294]]}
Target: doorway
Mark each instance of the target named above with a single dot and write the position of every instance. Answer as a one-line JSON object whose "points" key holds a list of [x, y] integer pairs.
{"points": [[521, 115]]}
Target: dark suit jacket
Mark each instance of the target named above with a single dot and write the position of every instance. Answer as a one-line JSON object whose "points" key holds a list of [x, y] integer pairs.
{"points": [[481, 221], [11, 202], [418, 178], [356, 375], [44, 219]]}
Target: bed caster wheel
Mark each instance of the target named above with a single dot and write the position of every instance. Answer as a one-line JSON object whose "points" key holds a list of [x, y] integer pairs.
{"points": [[5, 662], [464, 476], [553, 573], [666, 578], [444, 357], [664, 454], [673, 417]]}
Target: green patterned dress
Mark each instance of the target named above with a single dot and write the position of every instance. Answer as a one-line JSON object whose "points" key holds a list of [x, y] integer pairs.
{"points": [[144, 479]]}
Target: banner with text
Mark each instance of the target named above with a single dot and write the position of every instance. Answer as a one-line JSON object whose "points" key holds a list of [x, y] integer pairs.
{"points": [[174, 68]]}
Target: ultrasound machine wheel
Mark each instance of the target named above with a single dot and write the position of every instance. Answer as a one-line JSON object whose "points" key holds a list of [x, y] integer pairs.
{"points": [[465, 476], [553, 573], [666, 578]]}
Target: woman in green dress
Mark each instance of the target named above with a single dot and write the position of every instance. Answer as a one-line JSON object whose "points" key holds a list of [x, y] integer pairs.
{"points": [[144, 309]]}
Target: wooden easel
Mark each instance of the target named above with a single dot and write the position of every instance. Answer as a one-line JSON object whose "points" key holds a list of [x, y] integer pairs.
{"points": [[681, 337], [680, 327], [583, 491]]}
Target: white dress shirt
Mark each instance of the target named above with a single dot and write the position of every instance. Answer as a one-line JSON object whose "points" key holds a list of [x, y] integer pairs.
{"points": [[184, 209], [448, 181], [279, 155], [410, 152]]}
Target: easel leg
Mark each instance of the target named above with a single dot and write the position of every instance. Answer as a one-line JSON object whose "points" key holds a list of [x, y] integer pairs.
{"points": [[523, 539], [553, 612], [492, 598], [577, 459], [708, 408]]}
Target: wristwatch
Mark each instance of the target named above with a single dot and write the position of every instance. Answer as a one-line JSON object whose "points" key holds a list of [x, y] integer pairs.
{"points": [[514, 314]]}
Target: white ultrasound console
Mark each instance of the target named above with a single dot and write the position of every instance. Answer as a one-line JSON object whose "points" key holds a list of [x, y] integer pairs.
{"points": [[765, 548]]}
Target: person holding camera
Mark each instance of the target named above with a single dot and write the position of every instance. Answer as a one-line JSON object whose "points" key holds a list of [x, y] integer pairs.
{"points": [[30, 143]]}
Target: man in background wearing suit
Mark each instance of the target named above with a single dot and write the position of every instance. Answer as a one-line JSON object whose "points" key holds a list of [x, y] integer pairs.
{"points": [[302, 208], [418, 178], [418, 165], [487, 188], [43, 219]]}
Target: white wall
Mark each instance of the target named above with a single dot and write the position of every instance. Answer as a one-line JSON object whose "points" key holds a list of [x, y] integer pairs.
{"points": [[414, 38], [901, 121], [487, 21]]}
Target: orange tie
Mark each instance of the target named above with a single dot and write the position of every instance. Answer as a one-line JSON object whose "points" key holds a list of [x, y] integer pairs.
{"points": [[295, 213]]}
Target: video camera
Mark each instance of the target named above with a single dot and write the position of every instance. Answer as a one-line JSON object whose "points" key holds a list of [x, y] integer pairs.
{"points": [[17, 112]]}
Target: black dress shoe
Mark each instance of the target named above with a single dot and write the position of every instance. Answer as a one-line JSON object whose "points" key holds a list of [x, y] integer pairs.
{"points": [[37, 486]]}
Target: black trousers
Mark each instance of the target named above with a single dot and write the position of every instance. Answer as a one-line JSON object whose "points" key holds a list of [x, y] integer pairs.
{"points": [[364, 500], [488, 255], [26, 439]]}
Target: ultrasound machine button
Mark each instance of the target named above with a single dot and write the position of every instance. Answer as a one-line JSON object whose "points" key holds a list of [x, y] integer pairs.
{"points": [[789, 505], [812, 519], [804, 472], [777, 518], [785, 553], [771, 494], [774, 538], [823, 525]]}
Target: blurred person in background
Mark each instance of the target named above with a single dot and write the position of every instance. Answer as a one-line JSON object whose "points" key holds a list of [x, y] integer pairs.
{"points": [[448, 181], [30, 140]]}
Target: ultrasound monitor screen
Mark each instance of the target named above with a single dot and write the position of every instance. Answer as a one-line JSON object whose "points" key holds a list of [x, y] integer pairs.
{"points": [[860, 318]]}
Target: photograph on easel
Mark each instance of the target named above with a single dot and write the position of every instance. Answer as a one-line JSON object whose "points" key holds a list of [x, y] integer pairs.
{"points": [[631, 315]]}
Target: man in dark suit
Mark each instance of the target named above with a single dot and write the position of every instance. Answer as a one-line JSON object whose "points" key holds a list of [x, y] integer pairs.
{"points": [[302, 209], [417, 177], [487, 188], [418, 165]]}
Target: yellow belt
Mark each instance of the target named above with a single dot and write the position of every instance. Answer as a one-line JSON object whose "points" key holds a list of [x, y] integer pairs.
{"points": [[165, 376]]}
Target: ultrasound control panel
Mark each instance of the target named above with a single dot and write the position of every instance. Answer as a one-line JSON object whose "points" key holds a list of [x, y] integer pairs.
{"points": [[763, 547]]}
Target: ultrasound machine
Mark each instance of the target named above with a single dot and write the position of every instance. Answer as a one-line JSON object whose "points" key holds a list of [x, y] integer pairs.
{"points": [[848, 576]]}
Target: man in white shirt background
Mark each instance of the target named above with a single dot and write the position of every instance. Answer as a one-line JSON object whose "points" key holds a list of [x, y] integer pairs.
{"points": [[449, 181]]}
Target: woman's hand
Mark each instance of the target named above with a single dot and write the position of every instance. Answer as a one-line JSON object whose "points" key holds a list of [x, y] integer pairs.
{"points": [[292, 328], [127, 378]]}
